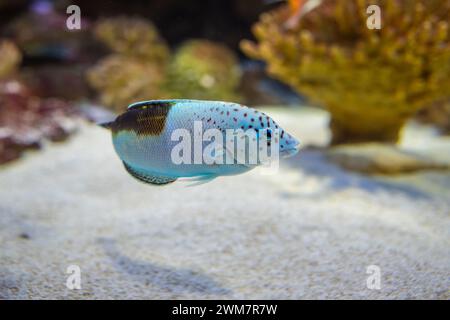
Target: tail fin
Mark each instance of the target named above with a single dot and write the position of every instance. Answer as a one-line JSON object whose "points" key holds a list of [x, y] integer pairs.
{"points": [[106, 125]]}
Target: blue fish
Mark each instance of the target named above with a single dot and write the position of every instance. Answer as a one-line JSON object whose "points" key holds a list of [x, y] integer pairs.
{"points": [[143, 138]]}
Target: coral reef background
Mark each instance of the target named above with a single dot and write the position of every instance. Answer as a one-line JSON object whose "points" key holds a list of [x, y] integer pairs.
{"points": [[371, 81], [370, 185]]}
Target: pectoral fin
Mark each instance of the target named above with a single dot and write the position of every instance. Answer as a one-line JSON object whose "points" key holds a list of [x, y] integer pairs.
{"points": [[147, 178], [199, 180]]}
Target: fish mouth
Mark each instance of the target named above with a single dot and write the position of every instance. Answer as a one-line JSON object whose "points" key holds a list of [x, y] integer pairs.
{"points": [[287, 153]]}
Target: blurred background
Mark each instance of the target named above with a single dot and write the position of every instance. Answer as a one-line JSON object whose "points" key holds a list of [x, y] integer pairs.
{"points": [[371, 107], [284, 53]]}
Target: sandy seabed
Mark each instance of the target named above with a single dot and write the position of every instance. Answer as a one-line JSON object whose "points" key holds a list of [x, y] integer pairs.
{"points": [[311, 231]]}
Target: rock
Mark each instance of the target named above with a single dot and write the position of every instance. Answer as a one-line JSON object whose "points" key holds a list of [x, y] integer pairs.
{"points": [[373, 158], [43, 37], [52, 80], [27, 120]]}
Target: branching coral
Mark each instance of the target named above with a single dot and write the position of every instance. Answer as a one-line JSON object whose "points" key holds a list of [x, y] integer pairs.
{"points": [[371, 81], [438, 115], [202, 69]]}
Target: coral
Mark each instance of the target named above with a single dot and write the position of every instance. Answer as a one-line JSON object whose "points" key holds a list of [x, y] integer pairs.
{"points": [[122, 80], [371, 81], [133, 37], [45, 37], [52, 80], [141, 66], [137, 67], [202, 69], [56, 58], [10, 58], [27, 120], [381, 158], [438, 114]]}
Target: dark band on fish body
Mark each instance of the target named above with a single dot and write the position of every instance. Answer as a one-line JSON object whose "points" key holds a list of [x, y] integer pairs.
{"points": [[144, 119], [150, 104]]}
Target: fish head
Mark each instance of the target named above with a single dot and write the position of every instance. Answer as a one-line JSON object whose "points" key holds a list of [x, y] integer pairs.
{"points": [[288, 145]]}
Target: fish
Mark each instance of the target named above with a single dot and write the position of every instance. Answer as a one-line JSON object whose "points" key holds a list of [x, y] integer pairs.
{"points": [[143, 138]]}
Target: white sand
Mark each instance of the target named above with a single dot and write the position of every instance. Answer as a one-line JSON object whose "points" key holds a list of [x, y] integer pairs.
{"points": [[308, 232]]}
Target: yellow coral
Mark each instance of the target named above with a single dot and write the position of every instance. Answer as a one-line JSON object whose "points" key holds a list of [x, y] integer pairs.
{"points": [[122, 80], [142, 67], [203, 69], [137, 68], [10, 58], [371, 81], [133, 37]]}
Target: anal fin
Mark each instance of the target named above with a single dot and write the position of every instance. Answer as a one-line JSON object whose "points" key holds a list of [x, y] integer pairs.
{"points": [[147, 178]]}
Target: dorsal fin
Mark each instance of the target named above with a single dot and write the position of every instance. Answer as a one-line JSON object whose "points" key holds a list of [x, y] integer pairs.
{"points": [[144, 119], [147, 178], [150, 103], [107, 125]]}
